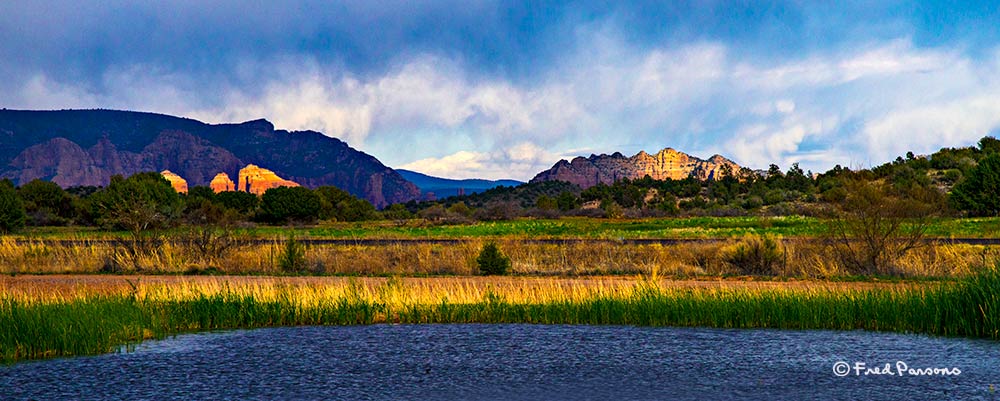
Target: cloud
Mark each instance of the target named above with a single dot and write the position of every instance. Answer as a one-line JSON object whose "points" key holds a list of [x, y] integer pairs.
{"points": [[522, 160], [446, 114]]}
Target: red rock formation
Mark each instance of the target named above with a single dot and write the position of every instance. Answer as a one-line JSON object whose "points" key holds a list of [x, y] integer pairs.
{"points": [[58, 160], [179, 184], [667, 163], [67, 164], [222, 183], [197, 159], [87, 147], [257, 180]]}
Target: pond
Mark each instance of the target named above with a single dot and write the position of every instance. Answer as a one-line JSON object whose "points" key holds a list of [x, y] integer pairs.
{"points": [[516, 361]]}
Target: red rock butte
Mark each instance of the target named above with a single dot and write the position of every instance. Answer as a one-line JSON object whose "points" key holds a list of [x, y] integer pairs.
{"points": [[180, 185], [257, 180], [222, 183]]}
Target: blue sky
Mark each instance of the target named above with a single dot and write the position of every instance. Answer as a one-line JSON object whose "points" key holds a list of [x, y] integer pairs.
{"points": [[503, 90]]}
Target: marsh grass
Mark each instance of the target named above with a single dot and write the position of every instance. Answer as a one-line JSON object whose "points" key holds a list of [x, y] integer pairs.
{"points": [[40, 324], [798, 258]]}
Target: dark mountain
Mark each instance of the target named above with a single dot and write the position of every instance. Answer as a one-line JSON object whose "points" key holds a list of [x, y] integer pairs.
{"points": [[445, 187], [87, 147]]}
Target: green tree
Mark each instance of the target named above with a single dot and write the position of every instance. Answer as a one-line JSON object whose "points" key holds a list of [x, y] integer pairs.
{"points": [[12, 213], [989, 145], [283, 204], [342, 206], [397, 213], [200, 192], [979, 190], [140, 202], [546, 202], [460, 209], [491, 261], [46, 203], [242, 202], [567, 201]]}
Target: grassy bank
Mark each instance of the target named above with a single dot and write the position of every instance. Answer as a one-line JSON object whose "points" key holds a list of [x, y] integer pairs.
{"points": [[38, 324], [570, 227], [792, 258]]}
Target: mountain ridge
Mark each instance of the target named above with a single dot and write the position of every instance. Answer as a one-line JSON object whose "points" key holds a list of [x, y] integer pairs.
{"points": [[606, 169], [86, 147]]}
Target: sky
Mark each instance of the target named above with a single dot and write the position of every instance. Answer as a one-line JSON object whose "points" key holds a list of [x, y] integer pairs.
{"points": [[504, 89]]}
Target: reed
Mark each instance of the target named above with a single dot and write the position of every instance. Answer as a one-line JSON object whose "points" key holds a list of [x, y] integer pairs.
{"points": [[800, 258], [39, 324]]}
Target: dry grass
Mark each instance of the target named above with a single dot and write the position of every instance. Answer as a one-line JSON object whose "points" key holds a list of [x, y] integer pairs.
{"points": [[418, 290], [61, 315], [801, 258]]}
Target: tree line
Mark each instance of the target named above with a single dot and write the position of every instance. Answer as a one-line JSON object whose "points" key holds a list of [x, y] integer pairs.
{"points": [[957, 181], [147, 201]]}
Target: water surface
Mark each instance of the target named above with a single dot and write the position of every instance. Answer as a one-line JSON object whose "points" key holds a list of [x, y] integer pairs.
{"points": [[487, 361]]}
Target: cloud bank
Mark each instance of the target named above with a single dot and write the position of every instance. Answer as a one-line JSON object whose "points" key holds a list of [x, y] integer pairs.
{"points": [[444, 113]]}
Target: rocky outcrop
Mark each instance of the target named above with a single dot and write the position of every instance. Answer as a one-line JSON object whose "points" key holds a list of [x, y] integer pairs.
{"points": [[58, 160], [665, 164], [257, 180], [194, 158], [180, 185], [87, 147], [222, 183]]}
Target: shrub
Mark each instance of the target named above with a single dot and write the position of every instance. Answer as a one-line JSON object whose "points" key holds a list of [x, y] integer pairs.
{"points": [[876, 225], [491, 261], [242, 202], [46, 203], [979, 191], [292, 258], [283, 204], [12, 213], [756, 256]]}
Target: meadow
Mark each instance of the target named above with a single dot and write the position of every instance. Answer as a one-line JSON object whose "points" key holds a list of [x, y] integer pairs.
{"points": [[793, 258], [63, 316], [70, 291], [563, 228]]}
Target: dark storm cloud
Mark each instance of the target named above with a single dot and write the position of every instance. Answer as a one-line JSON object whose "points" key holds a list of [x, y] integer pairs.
{"points": [[494, 88]]}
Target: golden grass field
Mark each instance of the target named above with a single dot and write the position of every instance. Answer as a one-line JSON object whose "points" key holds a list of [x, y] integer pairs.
{"points": [[801, 258], [421, 290]]}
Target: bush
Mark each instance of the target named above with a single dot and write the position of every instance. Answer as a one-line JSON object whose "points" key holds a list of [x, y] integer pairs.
{"points": [[242, 202], [292, 258], [491, 261], [12, 213], [876, 225], [979, 191], [756, 256], [283, 204], [46, 203]]}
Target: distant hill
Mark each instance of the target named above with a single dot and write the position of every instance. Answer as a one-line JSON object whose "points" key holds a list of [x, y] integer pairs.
{"points": [[87, 147], [445, 187], [606, 169]]}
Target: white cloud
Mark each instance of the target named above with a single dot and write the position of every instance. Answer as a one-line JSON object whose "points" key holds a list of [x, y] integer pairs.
{"points": [[870, 104], [521, 161]]}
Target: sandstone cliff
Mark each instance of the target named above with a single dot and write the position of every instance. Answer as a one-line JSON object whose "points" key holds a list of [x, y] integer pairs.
{"points": [[667, 163], [257, 180], [87, 147], [222, 183], [180, 185]]}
